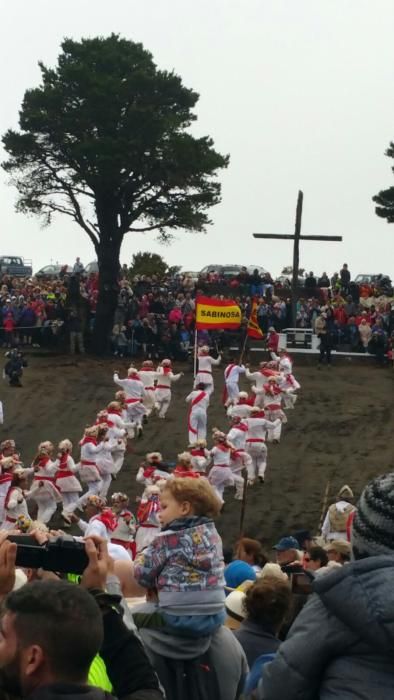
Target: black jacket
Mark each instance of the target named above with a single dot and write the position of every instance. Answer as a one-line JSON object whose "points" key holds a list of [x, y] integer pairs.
{"points": [[68, 691]]}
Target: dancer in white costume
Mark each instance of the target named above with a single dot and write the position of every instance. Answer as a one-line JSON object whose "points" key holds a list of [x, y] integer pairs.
{"points": [[258, 426], [15, 501], [117, 432], [288, 382], [221, 474], [165, 379], [243, 406], [148, 376], [43, 490], [91, 448], [124, 533], [65, 478], [272, 402], [200, 455], [198, 401], [131, 426], [135, 392], [7, 467], [152, 471], [204, 370], [259, 377], [147, 517], [232, 374], [240, 459]]}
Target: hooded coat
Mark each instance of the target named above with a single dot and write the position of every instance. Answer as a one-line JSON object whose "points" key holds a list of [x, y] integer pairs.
{"points": [[342, 643]]}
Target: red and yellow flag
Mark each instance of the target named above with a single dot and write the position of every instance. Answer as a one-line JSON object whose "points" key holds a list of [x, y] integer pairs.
{"points": [[253, 329], [212, 314]]}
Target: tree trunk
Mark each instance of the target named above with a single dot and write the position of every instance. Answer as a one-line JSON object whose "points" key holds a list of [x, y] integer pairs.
{"points": [[108, 251]]}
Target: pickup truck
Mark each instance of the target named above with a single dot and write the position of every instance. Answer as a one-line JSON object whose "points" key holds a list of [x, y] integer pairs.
{"points": [[14, 266]]}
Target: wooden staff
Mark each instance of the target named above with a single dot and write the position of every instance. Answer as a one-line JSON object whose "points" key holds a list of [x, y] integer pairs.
{"points": [[243, 347], [243, 506], [195, 353], [324, 507]]}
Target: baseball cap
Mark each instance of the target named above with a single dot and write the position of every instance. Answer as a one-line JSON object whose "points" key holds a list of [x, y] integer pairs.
{"points": [[237, 572], [286, 543], [340, 546]]}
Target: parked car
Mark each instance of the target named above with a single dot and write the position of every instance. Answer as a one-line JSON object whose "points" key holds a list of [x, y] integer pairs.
{"points": [[369, 279], [92, 268], [193, 275], [227, 271], [210, 268], [15, 266], [53, 272], [380, 282], [286, 280]]}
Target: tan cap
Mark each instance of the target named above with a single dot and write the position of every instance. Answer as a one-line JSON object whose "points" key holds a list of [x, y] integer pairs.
{"points": [[340, 546]]}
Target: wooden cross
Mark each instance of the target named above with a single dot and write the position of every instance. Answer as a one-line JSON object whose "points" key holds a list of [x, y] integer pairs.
{"points": [[296, 250]]}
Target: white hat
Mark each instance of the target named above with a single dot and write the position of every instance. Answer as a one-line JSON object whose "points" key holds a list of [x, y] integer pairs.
{"points": [[132, 370], [166, 363], [234, 605], [184, 457], [46, 446], [243, 395], [271, 570], [65, 445], [156, 456], [345, 492]]}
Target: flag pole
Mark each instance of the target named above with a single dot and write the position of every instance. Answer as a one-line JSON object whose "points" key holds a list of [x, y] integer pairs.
{"points": [[243, 505], [244, 346], [195, 352]]}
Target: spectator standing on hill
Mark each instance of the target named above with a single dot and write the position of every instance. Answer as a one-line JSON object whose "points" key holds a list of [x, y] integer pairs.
{"points": [[78, 267], [345, 278], [324, 335], [323, 281], [76, 335], [310, 284], [365, 333]]}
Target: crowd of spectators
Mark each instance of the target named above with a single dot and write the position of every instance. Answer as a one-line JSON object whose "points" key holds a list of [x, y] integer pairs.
{"points": [[154, 317], [277, 640]]}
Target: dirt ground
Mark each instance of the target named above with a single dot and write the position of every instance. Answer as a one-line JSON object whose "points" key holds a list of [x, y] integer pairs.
{"points": [[340, 432]]}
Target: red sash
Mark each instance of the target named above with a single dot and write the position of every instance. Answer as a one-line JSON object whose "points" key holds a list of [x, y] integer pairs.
{"points": [[195, 401], [63, 474], [47, 478], [4, 478], [162, 386], [227, 371]]}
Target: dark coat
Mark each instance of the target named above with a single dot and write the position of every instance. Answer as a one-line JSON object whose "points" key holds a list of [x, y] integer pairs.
{"points": [[256, 640], [342, 643]]}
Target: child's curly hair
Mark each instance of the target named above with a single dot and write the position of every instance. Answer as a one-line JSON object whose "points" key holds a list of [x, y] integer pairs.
{"points": [[198, 492]]}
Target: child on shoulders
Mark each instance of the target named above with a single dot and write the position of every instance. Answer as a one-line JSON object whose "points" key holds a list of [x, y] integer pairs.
{"points": [[184, 563]]}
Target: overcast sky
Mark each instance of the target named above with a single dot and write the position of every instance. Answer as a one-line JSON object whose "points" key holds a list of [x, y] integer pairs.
{"points": [[298, 92]]}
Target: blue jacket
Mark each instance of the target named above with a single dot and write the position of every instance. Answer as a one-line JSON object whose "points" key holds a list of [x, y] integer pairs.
{"points": [[342, 643]]}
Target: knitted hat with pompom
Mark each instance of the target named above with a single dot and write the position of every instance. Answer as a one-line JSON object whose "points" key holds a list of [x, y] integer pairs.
{"points": [[373, 525]]}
